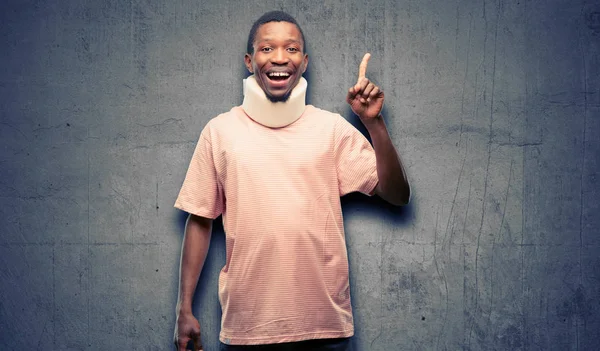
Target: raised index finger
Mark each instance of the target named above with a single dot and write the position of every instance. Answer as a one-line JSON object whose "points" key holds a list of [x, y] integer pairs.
{"points": [[362, 69]]}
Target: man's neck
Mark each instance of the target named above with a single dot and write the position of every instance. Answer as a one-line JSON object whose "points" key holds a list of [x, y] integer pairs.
{"points": [[273, 114]]}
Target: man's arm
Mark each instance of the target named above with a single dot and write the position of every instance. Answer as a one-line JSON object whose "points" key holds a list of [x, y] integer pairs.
{"points": [[393, 184], [193, 254], [366, 100]]}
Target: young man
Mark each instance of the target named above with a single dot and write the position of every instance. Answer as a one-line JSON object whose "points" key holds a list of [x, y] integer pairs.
{"points": [[275, 169]]}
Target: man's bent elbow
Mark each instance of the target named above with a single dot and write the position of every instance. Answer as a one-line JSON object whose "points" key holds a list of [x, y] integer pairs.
{"points": [[402, 197]]}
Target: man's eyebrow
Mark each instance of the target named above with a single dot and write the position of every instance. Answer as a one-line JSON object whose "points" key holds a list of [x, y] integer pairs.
{"points": [[287, 40]]}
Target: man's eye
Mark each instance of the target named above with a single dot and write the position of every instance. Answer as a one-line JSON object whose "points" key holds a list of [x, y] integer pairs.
{"points": [[266, 49], [293, 49]]}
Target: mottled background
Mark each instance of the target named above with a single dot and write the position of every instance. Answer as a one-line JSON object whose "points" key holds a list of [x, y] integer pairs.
{"points": [[494, 106]]}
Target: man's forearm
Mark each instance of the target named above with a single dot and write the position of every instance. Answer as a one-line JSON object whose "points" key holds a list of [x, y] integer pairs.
{"points": [[193, 253], [393, 184]]}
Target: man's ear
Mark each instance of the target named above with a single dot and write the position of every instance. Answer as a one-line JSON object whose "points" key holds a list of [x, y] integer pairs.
{"points": [[305, 63], [248, 62]]}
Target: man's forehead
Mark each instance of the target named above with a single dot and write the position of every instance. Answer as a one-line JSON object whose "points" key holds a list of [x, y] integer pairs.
{"points": [[279, 30]]}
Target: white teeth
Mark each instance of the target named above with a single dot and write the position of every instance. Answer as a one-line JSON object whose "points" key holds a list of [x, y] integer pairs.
{"points": [[279, 74]]}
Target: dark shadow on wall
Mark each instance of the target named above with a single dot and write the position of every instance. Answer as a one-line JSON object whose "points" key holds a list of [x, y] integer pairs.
{"points": [[374, 207], [399, 216]]}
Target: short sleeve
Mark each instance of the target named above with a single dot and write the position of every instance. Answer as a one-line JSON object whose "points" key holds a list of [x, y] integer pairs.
{"points": [[201, 193], [355, 160]]}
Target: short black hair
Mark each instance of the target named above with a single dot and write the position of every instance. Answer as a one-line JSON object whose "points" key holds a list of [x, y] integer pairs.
{"points": [[272, 16]]}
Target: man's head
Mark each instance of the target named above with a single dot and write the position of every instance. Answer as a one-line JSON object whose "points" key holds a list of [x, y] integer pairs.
{"points": [[276, 54]]}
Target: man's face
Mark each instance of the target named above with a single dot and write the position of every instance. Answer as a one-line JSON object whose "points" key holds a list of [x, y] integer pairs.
{"points": [[278, 61]]}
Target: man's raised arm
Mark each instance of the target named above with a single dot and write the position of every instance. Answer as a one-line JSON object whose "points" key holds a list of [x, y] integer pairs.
{"points": [[366, 101]]}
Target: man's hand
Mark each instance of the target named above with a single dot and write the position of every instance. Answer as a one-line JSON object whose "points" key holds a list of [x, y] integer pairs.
{"points": [[365, 98], [187, 328]]}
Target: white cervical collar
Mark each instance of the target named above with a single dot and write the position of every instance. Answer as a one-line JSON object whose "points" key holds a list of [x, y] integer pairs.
{"points": [[273, 114]]}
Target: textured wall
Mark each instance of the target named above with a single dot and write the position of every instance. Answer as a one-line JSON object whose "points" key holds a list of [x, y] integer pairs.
{"points": [[494, 106]]}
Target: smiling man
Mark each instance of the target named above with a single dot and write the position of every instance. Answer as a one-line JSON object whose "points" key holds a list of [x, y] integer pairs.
{"points": [[276, 57], [275, 169]]}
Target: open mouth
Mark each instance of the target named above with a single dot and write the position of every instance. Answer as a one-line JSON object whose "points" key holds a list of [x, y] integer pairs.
{"points": [[278, 76]]}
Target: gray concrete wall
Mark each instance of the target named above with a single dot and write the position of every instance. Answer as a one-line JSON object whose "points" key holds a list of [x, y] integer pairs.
{"points": [[494, 106]]}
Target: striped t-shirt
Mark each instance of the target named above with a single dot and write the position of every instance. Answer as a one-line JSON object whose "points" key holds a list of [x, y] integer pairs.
{"points": [[278, 190]]}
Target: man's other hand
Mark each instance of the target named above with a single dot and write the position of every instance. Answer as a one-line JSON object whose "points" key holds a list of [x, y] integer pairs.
{"points": [[187, 328]]}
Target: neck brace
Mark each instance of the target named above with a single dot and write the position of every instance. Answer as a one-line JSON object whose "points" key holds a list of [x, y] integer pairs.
{"points": [[273, 114]]}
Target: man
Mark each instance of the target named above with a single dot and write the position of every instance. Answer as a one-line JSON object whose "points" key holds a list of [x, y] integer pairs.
{"points": [[275, 169]]}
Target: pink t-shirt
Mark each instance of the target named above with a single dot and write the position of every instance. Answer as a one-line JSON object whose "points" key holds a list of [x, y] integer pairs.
{"points": [[286, 272]]}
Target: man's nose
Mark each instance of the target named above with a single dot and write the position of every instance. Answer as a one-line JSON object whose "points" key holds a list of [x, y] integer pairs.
{"points": [[280, 57]]}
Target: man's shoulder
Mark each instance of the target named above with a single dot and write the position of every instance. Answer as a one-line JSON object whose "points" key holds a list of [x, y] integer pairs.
{"points": [[225, 119], [223, 125], [322, 114], [318, 110]]}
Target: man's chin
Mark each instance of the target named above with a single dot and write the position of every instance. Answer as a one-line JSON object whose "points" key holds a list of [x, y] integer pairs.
{"points": [[281, 98]]}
